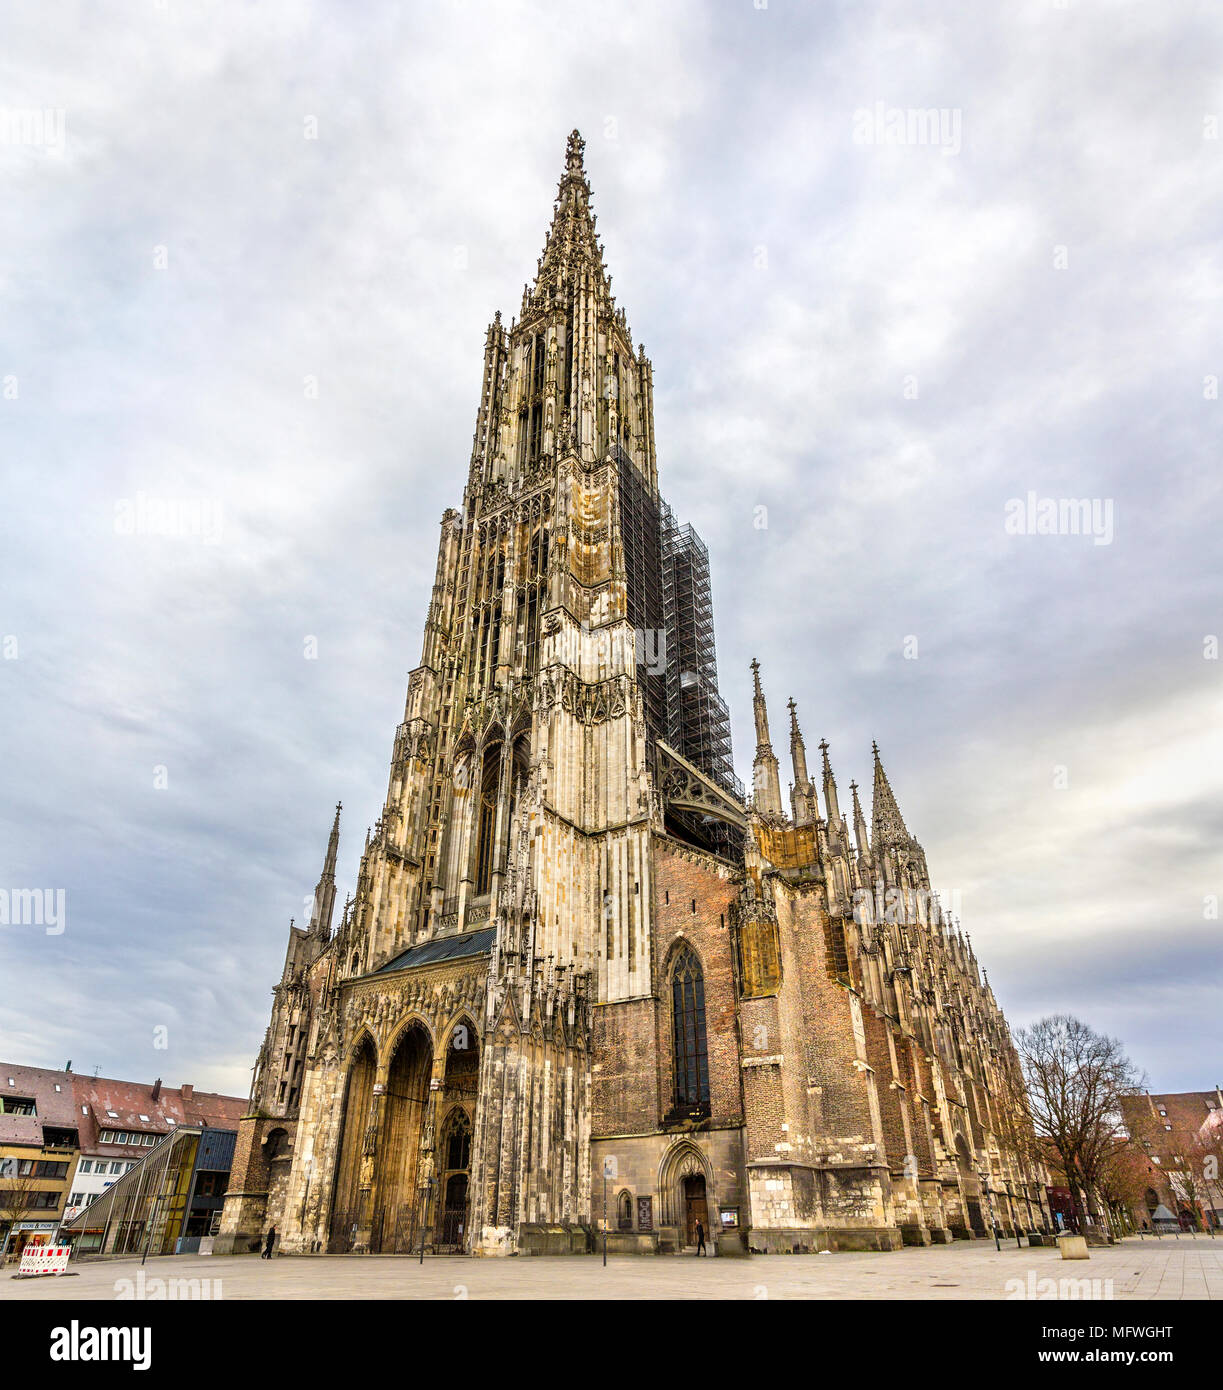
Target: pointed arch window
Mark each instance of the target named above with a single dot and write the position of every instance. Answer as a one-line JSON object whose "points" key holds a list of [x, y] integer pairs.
{"points": [[624, 1211], [688, 1033], [487, 818]]}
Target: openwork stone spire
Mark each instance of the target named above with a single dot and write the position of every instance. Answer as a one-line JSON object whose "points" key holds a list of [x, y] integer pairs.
{"points": [[888, 827], [572, 250]]}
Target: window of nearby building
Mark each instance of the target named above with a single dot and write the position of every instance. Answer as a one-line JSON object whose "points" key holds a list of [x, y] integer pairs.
{"points": [[87, 1165], [116, 1168], [106, 1137]]}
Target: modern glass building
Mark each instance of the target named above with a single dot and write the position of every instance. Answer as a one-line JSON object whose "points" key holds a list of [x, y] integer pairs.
{"points": [[166, 1205]]}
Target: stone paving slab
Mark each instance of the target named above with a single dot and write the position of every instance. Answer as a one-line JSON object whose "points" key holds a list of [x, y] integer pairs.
{"points": [[1186, 1268]]}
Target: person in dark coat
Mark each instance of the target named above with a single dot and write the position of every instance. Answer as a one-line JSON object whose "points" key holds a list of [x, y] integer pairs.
{"points": [[700, 1238], [268, 1241]]}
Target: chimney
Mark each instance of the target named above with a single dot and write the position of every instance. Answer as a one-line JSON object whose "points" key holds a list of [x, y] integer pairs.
{"points": [[156, 1090], [187, 1092], [69, 1066]]}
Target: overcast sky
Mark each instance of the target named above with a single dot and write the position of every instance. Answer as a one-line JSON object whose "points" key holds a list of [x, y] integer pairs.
{"points": [[248, 254]]}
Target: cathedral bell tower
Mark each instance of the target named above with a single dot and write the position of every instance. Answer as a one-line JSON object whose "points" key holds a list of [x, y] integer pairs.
{"points": [[522, 794]]}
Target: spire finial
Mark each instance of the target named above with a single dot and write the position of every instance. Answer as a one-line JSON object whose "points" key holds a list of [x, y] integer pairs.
{"points": [[574, 151], [755, 668]]}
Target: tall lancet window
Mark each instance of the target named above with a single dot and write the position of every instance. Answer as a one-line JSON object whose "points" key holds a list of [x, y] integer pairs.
{"points": [[688, 1033], [535, 594], [487, 818]]}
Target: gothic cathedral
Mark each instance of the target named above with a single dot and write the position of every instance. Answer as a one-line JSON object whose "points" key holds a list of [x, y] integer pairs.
{"points": [[583, 976]]}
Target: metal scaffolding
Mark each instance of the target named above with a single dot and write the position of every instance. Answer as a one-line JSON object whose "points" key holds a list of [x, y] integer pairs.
{"points": [[698, 721], [641, 537], [670, 605]]}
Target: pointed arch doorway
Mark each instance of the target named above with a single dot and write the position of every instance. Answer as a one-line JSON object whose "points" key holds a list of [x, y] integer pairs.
{"points": [[696, 1207]]}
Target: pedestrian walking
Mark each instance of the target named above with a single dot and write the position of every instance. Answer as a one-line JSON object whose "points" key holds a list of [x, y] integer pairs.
{"points": [[700, 1238], [268, 1241]]}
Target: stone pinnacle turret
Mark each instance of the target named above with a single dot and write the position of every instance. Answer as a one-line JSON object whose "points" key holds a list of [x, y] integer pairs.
{"points": [[806, 809], [324, 894], [766, 782]]}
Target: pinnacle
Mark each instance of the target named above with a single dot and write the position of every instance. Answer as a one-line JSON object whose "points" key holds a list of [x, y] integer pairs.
{"points": [[888, 824], [574, 150]]}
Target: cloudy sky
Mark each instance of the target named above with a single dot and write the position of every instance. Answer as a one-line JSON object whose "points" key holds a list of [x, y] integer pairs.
{"points": [[247, 258]]}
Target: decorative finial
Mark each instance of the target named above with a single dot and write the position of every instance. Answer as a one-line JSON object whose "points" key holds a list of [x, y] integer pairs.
{"points": [[573, 154]]}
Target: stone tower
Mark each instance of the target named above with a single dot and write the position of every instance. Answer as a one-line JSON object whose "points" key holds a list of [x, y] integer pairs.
{"points": [[581, 976]]}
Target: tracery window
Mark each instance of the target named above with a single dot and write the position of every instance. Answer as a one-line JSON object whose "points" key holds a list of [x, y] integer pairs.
{"points": [[486, 823], [688, 1032]]}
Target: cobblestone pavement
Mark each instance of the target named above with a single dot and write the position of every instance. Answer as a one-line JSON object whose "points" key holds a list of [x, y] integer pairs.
{"points": [[1168, 1268]]}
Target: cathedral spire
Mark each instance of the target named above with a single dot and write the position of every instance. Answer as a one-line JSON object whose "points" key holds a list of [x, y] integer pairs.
{"points": [[324, 894], [806, 811], [571, 246], [766, 783]]}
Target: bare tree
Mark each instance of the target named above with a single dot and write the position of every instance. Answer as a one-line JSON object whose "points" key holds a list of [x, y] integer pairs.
{"points": [[1208, 1150], [17, 1194], [1076, 1079]]}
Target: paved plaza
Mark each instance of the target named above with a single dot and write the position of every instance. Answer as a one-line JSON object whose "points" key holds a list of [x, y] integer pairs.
{"points": [[1169, 1268]]}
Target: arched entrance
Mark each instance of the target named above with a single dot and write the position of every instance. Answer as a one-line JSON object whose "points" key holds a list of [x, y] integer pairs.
{"points": [[970, 1185], [696, 1207], [457, 1105], [350, 1207], [454, 1160], [686, 1191], [396, 1194]]}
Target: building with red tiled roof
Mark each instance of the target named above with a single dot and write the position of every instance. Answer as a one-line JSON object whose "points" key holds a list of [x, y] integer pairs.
{"points": [[1180, 1134], [38, 1153], [112, 1123]]}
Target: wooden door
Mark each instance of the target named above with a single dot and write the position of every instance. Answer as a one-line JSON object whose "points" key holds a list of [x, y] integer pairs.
{"points": [[695, 1208]]}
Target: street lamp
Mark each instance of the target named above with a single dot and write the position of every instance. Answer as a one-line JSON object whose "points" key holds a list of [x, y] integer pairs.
{"points": [[426, 1188]]}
